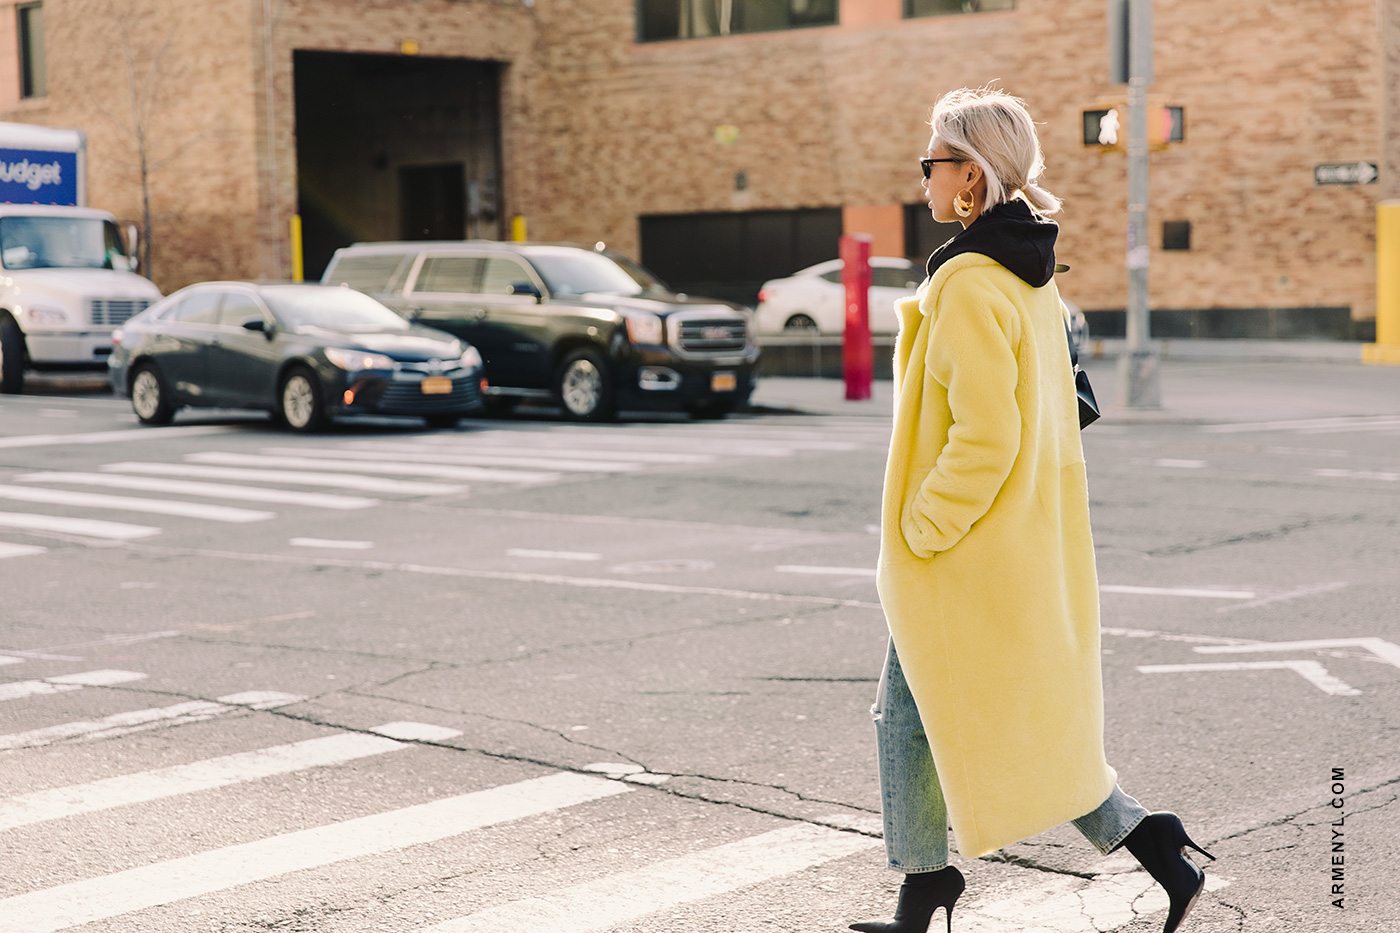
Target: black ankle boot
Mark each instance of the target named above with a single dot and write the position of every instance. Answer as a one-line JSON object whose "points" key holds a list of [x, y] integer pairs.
{"points": [[919, 896], [1159, 842]]}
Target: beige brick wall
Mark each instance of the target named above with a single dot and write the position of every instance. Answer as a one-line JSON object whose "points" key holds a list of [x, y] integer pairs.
{"points": [[598, 130]]}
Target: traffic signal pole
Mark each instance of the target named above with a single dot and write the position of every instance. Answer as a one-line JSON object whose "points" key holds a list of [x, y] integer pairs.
{"points": [[1138, 366]]}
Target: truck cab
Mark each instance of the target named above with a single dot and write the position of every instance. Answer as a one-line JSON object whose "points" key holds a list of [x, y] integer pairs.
{"points": [[66, 280]]}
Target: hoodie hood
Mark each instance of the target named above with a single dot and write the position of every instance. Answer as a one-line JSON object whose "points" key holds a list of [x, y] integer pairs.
{"points": [[1013, 235]]}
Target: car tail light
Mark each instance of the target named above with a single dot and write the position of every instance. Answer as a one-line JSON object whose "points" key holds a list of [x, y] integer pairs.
{"points": [[349, 396], [762, 295], [117, 336]]}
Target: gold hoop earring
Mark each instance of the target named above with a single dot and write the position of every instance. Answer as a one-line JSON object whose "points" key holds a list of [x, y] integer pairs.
{"points": [[964, 208]]}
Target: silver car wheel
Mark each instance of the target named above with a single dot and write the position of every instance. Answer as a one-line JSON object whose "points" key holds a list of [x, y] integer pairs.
{"points": [[145, 395], [581, 388], [298, 401]]}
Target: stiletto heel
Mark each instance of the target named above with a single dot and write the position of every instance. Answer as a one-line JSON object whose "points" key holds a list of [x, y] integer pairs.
{"points": [[1159, 842], [919, 896]]}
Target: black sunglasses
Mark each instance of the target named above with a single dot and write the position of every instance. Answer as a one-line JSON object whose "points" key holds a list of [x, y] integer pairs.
{"points": [[927, 164]]}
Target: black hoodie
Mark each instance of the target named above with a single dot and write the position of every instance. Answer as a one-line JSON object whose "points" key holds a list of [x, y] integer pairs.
{"points": [[1013, 235]]}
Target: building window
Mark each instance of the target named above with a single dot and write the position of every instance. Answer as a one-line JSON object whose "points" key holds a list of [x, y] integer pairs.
{"points": [[941, 7], [1176, 234], [695, 19], [31, 50]]}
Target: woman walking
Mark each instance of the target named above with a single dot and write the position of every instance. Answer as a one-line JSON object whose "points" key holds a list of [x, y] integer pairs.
{"points": [[990, 706]]}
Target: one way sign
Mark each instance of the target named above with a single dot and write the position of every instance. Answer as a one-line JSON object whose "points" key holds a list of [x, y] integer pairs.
{"points": [[1346, 173]]}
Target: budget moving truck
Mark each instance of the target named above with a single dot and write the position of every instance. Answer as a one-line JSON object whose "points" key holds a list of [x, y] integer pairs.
{"points": [[66, 279]]}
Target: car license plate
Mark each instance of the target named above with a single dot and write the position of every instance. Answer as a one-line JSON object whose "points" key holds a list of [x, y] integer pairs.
{"points": [[437, 385], [723, 382]]}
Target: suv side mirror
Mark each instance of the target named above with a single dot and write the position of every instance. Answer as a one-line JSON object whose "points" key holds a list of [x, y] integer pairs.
{"points": [[526, 288], [259, 326]]}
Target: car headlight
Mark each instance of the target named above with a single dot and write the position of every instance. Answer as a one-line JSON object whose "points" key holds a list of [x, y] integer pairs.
{"points": [[43, 315], [471, 358], [645, 328], [355, 360]]}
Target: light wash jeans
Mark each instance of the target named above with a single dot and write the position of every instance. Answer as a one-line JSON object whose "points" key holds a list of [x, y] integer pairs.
{"points": [[916, 818]]}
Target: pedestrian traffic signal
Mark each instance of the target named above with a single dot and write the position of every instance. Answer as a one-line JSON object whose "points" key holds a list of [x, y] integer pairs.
{"points": [[1106, 127]]}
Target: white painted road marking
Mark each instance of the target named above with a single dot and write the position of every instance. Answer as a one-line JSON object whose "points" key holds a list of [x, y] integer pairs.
{"points": [[1180, 464], [97, 500], [19, 550], [142, 719], [483, 474], [621, 898], [331, 543], [1309, 426], [83, 527], [1310, 671], [104, 437], [552, 555], [571, 453], [1357, 474], [1175, 591], [1386, 651], [70, 905], [106, 794], [315, 500], [827, 571], [28, 688], [377, 484], [544, 460]]}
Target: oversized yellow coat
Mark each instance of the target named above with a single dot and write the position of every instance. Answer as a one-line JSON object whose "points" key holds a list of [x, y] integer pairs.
{"points": [[986, 570]]}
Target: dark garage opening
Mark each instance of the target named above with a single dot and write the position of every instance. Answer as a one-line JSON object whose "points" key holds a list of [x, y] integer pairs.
{"points": [[395, 147], [729, 256]]}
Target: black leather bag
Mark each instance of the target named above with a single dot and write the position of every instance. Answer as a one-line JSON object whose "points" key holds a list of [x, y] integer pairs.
{"points": [[1088, 405]]}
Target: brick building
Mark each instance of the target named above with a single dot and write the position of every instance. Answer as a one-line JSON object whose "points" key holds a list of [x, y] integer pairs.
{"points": [[722, 141]]}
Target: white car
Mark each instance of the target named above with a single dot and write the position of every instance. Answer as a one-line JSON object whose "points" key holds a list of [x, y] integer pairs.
{"points": [[814, 300]]}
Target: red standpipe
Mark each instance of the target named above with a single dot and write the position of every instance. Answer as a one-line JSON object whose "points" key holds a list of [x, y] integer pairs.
{"points": [[857, 357]]}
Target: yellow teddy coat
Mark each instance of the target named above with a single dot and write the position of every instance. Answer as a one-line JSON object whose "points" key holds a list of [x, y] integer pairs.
{"points": [[986, 567]]}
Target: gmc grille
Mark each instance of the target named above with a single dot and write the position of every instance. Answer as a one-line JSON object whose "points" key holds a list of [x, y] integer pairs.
{"points": [[109, 312], [722, 336]]}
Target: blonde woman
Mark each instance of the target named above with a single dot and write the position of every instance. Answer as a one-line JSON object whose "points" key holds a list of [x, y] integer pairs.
{"points": [[990, 706]]}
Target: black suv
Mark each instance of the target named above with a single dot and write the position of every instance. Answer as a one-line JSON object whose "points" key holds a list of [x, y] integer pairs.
{"points": [[587, 327]]}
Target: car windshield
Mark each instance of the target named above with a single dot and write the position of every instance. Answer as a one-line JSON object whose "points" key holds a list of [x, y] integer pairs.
{"points": [[61, 243], [331, 307], [577, 272]]}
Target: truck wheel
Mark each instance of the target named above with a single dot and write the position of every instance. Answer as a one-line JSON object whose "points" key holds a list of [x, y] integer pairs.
{"points": [[299, 401], [11, 357], [585, 386], [149, 399]]}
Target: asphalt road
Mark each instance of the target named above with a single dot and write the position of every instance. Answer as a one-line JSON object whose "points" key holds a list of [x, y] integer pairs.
{"points": [[528, 674]]}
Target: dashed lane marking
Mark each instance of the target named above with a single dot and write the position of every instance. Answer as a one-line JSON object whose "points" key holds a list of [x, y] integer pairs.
{"points": [[332, 543], [1197, 592], [143, 719], [1309, 425], [315, 500], [106, 437], [376, 484], [60, 802], [552, 555], [607, 902], [19, 550], [69, 905], [94, 500], [28, 688], [544, 460]]}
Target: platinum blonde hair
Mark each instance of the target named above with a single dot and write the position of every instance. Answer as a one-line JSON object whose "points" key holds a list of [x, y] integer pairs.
{"points": [[994, 130]]}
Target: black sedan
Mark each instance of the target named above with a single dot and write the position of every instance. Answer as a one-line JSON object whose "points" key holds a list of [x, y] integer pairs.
{"points": [[303, 352]]}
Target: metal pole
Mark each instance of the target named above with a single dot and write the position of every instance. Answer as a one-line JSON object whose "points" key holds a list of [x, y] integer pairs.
{"points": [[1138, 367]]}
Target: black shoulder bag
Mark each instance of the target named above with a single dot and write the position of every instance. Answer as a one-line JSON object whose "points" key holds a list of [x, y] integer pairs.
{"points": [[1088, 405]]}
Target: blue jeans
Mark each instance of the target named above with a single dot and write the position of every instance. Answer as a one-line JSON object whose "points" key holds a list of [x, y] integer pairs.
{"points": [[916, 818]]}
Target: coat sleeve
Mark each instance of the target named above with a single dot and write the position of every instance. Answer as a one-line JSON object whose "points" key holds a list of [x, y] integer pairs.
{"points": [[972, 354]]}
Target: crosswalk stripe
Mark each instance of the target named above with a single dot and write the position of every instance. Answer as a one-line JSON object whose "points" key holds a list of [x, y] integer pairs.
{"points": [[315, 500], [487, 442], [289, 477], [16, 690], [85, 527], [104, 437], [482, 474], [142, 719], [19, 550], [96, 500], [59, 802], [69, 905], [607, 902], [544, 460]]}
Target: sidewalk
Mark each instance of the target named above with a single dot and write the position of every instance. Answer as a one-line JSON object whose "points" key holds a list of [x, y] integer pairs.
{"points": [[1192, 391]]}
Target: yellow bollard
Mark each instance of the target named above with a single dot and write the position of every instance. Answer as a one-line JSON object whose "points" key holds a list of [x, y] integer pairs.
{"points": [[517, 228], [296, 248], [1386, 349]]}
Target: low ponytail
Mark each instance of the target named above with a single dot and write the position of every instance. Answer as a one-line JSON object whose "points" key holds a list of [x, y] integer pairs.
{"points": [[1043, 201]]}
